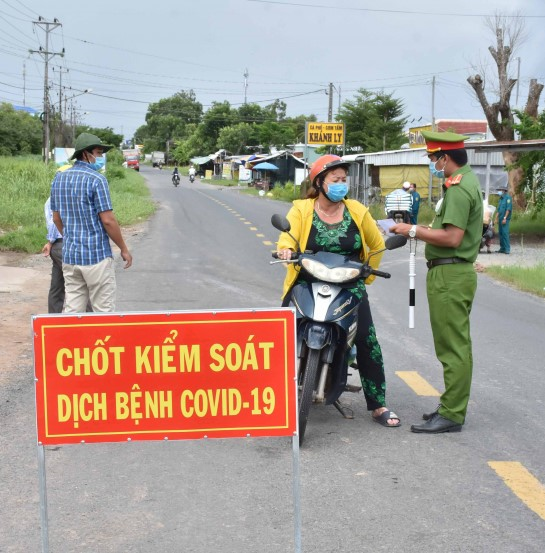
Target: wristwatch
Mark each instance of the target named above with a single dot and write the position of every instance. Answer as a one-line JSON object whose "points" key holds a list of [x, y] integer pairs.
{"points": [[412, 232]]}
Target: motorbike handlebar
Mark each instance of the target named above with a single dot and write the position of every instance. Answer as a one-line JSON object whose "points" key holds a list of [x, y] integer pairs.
{"points": [[294, 256], [379, 273]]}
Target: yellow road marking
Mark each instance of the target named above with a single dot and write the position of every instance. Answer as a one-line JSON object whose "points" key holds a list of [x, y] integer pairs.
{"points": [[247, 223], [523, 484], [417, 383], [253, 228], [260, 235], [267, 243]]}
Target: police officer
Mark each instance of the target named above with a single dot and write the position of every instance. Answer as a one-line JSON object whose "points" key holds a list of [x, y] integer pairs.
{"points": [[452, 245], [503, 217]]}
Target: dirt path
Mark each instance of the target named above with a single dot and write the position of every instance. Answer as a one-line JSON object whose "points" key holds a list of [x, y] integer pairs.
{"points": [[24, 284]]}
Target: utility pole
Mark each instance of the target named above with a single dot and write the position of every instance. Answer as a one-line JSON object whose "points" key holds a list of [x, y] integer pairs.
{"points": [[330, 107], [518, 80], [339, 105], [24, 84], [433, 103], [246, 75], [59, 135], [47, 27]]}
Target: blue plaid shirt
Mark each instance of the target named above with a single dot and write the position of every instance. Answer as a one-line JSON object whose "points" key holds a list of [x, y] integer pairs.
{"points": [[79, 194]]}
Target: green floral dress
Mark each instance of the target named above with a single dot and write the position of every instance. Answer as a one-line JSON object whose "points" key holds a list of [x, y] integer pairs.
{"points": [[344, 238]]}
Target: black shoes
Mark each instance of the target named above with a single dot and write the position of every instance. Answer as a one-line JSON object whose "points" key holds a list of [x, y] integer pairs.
{"points": [[428, 416], [436, 424]]}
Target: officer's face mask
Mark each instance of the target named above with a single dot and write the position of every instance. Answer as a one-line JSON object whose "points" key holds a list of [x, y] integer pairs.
{"points": [[500, 192], [439, 173]]}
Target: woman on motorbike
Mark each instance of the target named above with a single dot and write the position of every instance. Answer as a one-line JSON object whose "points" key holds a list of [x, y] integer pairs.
{"points": [[326, 221]]}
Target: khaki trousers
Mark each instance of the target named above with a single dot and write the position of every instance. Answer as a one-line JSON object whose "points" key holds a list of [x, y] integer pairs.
{"points": [[93, 283]]}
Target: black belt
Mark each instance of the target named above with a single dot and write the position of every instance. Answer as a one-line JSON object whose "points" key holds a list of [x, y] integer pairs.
{"points": [[444, 261]]}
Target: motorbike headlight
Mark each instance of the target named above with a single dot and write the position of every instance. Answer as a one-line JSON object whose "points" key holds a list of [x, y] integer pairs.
{"points": [[335, 275]]}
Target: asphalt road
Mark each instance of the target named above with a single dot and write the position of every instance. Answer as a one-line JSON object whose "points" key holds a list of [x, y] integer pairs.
{"points": [[363, 487]]}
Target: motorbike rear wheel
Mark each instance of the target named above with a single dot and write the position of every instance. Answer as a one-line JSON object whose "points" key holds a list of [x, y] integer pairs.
{"points": [[307, 390]]}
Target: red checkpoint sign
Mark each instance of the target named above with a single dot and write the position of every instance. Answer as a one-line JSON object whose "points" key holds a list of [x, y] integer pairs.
{"points": [[156, 376]]}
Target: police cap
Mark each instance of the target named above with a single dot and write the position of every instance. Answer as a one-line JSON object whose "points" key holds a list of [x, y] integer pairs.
{"points": [[443, 141]]}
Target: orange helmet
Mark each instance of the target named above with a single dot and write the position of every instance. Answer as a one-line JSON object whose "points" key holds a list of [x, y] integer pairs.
{"points": [[324, 164]]}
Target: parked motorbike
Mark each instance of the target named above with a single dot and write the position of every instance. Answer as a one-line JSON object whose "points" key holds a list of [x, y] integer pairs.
{"points": [[327, 315], [400, 216], [176, 179], [191, 178]]}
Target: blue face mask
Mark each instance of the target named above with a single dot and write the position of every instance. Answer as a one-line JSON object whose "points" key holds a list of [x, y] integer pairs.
{"points": [[336, 191], [500, 192], [435, 172], [99, 163]]}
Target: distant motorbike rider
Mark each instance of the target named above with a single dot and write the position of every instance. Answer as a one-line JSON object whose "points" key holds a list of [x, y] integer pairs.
{"points": [[175, 175], [192, 173]]}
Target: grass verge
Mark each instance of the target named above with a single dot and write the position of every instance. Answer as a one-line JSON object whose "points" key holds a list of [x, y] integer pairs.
{"points": [[25, 185], [527, 279]]}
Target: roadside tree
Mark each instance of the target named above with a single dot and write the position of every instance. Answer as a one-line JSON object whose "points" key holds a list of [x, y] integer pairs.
{"points": [[20, 132], [509, 34], [167, 120], [532, 163], [373, 122]]}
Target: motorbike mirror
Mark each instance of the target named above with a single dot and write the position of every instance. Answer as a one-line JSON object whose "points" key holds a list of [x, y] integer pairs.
{"points": [[280, 223], [397, 241]]}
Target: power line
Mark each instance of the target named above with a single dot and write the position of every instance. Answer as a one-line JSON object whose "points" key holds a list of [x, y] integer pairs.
{"points": [[18, 11], [403, 12]]}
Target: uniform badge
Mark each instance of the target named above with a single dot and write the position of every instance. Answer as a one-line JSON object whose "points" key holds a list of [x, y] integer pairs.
{"points": [[453, 180]]}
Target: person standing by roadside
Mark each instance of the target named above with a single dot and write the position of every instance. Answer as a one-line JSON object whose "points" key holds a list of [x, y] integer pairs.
{"points": [[53, 249], [416, 203], [83, 214], [503, 218], [452, 245], [399, 202]]}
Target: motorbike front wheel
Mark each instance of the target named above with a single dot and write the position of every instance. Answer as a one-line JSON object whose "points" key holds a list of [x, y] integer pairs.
{"points": [[307, 390]]}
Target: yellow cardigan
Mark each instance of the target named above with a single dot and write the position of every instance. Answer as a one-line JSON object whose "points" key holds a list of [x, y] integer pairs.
{"points": [[300, 218]]}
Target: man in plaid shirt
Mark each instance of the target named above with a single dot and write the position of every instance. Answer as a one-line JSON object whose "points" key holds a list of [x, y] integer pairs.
{"points": [[83, 213]]}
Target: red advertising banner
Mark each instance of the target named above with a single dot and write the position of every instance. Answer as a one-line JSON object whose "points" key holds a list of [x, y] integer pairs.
{"points": [[158, 376]]}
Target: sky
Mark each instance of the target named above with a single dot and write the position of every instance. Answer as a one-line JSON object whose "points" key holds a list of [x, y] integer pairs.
{"points": [[130, 54]]}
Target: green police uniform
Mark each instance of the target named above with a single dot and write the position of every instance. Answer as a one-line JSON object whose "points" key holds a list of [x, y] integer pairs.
{"points": [[504, 212], [451, 286]]}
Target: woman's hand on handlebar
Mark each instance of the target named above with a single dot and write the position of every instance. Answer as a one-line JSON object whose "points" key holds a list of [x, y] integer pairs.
{"points": [[284, 254]]}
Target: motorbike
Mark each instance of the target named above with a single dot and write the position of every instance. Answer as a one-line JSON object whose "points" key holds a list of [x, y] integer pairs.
{"points": [[327, 315], [176, 179], [399, 216], [191, 178]]}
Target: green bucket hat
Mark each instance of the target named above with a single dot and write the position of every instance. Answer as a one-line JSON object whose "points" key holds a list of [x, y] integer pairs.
{"points": [[85, 141]]}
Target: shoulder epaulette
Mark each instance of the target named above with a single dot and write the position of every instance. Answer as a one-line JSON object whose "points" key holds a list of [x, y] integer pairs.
{"points": [[454, 180]]}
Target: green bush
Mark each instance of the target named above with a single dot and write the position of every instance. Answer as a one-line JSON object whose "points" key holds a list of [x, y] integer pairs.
{"points": [[287, 192]]}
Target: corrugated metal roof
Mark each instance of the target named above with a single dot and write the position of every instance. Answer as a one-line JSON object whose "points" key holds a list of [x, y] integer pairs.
{"points": [[417, 156]]}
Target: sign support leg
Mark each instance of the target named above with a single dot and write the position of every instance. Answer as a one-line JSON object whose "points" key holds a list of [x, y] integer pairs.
{"points": [[43, 499], [296, 493]]}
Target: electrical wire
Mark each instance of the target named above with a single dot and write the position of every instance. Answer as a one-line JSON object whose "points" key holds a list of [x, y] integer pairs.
{"points": [[403, 12]]}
